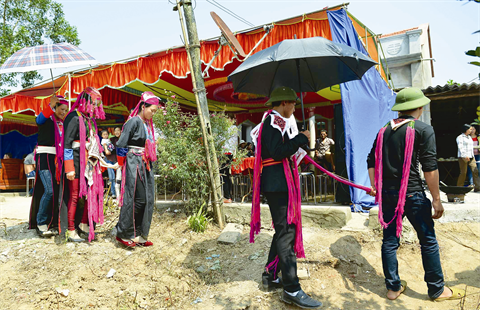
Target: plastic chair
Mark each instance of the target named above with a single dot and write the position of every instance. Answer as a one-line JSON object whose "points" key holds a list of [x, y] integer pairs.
{"points": [[307, 181], [28, 184]]}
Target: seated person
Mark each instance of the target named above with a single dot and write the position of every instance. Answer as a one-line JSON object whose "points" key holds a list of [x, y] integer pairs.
{"points": [[323, 154], [29, 168], [7, 156], [249, 148], [242, 145], [108, 148], [29, 165]]}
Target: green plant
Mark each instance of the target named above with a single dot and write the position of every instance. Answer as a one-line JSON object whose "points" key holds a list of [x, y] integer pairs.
{"points": [[181, 152], [451, 82], [198, 222]]}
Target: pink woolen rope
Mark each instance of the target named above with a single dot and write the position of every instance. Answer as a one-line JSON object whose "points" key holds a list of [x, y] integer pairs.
{"points": [[336, 177]]}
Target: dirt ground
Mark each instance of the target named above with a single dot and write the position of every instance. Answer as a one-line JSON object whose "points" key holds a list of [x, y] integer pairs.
{"points": [[186, 270]]}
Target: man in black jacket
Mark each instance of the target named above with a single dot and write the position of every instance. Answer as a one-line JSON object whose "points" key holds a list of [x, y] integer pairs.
{"points": [[279, 141]]}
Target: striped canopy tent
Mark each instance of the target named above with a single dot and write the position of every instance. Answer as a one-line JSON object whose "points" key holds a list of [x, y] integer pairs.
{"points": [[167, 72]]}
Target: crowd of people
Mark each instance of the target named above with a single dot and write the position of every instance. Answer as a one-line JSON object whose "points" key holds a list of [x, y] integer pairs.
{"points": [[69, 162], [70, 157]]}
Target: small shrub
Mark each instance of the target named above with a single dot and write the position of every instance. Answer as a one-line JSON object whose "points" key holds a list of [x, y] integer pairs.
{"points": [[198, 222], [181, 153]]}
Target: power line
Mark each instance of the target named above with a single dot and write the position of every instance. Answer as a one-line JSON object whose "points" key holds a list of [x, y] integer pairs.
{"points": [[229, 12], [235, 14]]}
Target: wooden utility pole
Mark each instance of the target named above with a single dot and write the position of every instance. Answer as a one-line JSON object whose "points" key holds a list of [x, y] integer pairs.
{"points": [[192, 46]]}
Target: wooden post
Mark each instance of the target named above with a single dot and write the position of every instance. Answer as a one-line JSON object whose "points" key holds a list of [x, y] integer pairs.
{"points": [[192, 46]]}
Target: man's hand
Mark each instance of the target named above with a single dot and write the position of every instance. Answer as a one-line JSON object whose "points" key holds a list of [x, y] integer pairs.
{"points": [[373, 191], [438, 209], [53, 101], [71, 176], [466, 159], [307, 134]]}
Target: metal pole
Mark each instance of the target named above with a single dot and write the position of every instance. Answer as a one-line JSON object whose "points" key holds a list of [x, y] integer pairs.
{"points": [[192, 47], [301, 94], [53, 84], [69, 91]]}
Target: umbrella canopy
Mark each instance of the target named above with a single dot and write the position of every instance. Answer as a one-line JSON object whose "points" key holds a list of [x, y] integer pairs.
{"points": [[305, 65], [48, 56]]}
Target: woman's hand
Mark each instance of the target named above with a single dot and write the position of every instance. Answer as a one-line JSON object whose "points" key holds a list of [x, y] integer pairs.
{"points": [[53, 101], [71, 176]]}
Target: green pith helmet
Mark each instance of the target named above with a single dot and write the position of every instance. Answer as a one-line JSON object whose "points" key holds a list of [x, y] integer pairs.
{"points": [[282, 94], [409, 99]]}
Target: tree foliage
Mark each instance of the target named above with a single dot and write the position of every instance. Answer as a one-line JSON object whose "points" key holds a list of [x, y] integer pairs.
{"points": [[476, 51], [181, 152], [26, 23]]}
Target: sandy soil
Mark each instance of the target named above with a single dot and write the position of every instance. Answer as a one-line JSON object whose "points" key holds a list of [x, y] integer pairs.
{"points": [[186, 270]]}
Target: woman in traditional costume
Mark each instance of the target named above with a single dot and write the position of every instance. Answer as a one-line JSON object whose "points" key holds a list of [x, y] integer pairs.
{"points": [[82, 179], [136, 152], [44, 206]]}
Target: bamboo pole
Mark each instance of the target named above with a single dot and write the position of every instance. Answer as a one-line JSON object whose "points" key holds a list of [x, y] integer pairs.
{"points": [[192, 47]]}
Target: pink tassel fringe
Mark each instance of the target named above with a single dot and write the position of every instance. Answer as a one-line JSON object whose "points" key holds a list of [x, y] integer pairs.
{"points": [[255, 223], [398, 215], [294, 215]]}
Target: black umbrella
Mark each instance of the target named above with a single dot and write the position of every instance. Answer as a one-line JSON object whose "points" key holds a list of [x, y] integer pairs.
{"points": [[305, 65]]}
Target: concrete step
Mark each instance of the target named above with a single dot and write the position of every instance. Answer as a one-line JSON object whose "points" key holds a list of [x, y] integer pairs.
{"points": [[359, 222], [331, 216]]}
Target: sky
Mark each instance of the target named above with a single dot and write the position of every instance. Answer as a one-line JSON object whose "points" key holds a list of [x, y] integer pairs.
{"points": [[112, 30]]}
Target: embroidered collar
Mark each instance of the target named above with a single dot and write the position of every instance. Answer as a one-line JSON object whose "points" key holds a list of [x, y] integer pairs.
{"points": [[399, 122], [284, 125]]}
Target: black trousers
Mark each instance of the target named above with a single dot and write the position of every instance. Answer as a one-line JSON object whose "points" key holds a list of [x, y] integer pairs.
{"points": [[227, 181], [282, 243], [140, 204]]}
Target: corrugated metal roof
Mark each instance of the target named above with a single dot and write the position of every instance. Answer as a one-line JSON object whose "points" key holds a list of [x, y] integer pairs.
{"points": [[447, 88], [397, 32]]}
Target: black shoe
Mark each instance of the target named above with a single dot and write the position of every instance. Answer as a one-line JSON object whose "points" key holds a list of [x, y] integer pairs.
{"points": [[269, 285], [302, 300]]}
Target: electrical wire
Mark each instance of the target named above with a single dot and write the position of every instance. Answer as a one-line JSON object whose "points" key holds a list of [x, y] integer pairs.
{"points": [[478, 77], [235, 14], [221, 7]]}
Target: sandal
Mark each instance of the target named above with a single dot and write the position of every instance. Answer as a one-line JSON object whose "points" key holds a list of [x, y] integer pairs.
{"points": [[402, 289], [457, 293]]}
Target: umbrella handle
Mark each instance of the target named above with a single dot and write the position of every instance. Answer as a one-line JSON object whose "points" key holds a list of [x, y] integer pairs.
{"points": [[301, 93], [53, 84]]}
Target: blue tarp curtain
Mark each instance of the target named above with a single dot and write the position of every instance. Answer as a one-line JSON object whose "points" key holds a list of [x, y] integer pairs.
{"points": [[17, 144], [366, 107]]}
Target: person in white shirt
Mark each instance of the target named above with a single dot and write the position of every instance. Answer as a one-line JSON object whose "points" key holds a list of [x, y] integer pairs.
{"points": [[466, 157]]}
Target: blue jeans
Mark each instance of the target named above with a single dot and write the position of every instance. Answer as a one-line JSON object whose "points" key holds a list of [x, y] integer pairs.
{"points": [[111, 176], [43, 215], [418, 210]]}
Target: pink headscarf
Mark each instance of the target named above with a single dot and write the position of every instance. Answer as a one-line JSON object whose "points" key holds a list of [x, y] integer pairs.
{"points": [[87, 99], [147, 98], [84, 103]]}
